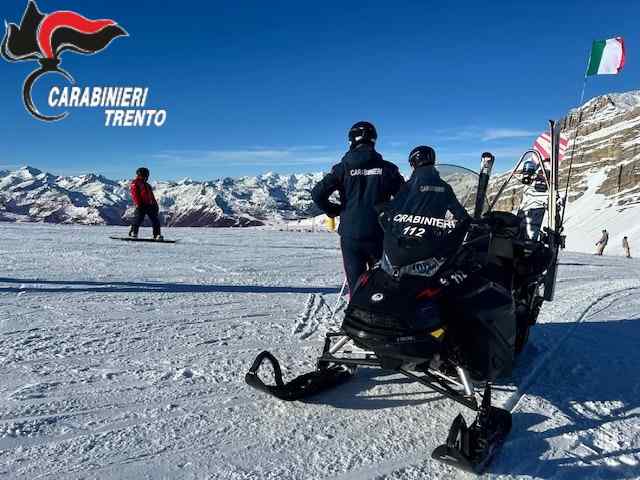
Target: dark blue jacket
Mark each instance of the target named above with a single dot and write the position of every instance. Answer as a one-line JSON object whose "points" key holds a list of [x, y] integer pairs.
{"points": [[362, 179], [424, 219]]}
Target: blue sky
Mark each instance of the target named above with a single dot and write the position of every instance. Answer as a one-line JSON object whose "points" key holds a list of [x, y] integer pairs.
{"points": [[255, 86]]}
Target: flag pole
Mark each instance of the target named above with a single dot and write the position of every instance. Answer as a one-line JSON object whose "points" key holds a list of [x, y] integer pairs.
{"points": [[584, 83], [584, 86], [575, 137]]}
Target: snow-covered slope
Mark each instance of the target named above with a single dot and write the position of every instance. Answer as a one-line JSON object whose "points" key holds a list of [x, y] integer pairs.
{"points": [[30, 195], [127, 361], [604, 191], [605, 187]]}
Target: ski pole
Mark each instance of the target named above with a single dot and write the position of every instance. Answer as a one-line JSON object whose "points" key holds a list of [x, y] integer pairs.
{"points": [[335, 307]]}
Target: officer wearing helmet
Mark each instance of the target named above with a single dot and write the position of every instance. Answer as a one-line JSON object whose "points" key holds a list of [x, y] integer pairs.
{"points": [[425, 218], [146, 204], [362, 180]]}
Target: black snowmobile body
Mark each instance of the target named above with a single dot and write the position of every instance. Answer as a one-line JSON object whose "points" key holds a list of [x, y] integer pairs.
{"points": [[453, 324], [410, 320]]}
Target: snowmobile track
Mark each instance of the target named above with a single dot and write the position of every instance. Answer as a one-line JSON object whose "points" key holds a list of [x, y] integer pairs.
{"points": [[308, 321]]}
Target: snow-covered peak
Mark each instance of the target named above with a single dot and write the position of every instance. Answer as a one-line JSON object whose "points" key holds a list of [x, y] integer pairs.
{"points": [[610, 104], [29, 194], [28, 172]]}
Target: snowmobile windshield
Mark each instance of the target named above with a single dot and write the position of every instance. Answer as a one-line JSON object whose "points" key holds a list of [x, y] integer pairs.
{"points": [[427, 221], [464, 183]]}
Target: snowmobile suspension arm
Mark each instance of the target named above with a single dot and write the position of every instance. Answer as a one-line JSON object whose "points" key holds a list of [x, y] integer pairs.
{"points": [[434, 383], [428, 379]]}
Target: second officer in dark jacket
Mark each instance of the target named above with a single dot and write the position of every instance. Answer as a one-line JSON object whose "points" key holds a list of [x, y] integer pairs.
{"points": [[425, 218], [362, 179]]}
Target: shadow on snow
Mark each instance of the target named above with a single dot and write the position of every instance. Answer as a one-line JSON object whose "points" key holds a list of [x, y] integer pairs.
{"points": [[82, 286], [590, 382]]}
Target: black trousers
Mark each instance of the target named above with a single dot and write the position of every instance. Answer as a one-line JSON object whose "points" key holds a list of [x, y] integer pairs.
{"points": [[152, 212], [357, 256]]}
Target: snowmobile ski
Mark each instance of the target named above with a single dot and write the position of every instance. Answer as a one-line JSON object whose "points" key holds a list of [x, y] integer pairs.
{"points": [[132, 239], [300, 387], [471, 448]]}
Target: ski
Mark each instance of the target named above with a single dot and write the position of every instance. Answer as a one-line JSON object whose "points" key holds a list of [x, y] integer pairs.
{"points": [[306, 385], [131, 239], [471, 448], [486, 165], [554, 229]]}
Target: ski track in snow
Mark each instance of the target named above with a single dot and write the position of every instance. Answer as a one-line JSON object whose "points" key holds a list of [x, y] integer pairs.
{"points": [[127, 361]]}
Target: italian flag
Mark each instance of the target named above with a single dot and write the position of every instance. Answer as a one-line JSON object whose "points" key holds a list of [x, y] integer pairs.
{"points": [[607, 57]]}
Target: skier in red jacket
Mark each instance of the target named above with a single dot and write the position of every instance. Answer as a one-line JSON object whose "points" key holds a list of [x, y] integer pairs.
{"points": [[146, 204]]}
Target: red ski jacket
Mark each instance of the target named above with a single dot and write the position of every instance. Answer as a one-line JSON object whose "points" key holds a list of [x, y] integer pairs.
{"points": [[142, 193]]}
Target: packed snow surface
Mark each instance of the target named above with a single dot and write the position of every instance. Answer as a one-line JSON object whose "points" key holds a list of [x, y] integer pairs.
{"points": [[122, 360]]}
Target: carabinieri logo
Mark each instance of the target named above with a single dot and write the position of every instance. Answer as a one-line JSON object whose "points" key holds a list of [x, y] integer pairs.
{"points": [[44, 37]]}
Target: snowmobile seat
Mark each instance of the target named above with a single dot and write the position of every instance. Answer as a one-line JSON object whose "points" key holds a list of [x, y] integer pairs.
{"points": [[506, 227], [505, 221]]}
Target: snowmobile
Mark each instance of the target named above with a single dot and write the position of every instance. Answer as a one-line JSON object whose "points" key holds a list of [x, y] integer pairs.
{"points": [[455, 320]]}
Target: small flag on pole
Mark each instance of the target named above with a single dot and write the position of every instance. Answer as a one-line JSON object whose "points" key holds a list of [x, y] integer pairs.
{"points": [[607, 57], [542, 145]]}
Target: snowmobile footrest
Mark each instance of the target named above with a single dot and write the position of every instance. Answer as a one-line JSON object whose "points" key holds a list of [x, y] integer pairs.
{"points": [[300, 387]]}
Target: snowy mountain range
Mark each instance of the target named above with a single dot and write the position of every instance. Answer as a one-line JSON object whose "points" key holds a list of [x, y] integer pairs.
{"points": [[30, 195], [604, 189]]}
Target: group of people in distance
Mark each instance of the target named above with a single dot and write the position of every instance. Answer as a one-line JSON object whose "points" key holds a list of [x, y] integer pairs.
{"points": [[604, 240]]}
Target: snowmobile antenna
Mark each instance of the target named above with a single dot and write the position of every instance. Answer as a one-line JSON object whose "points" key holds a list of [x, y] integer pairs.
{"points": [[573, 150]]}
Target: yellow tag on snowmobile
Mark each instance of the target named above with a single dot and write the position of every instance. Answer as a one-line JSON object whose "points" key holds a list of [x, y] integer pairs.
{"points": [[437, 333], [330, 223]]}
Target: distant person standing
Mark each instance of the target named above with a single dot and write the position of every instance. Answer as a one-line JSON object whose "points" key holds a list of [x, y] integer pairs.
{"points": [[146, 204], [625, 247], [362, 179], [602, 243]]}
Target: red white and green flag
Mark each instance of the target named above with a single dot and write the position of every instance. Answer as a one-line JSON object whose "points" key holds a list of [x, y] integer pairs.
{"points": [[607, 57]]}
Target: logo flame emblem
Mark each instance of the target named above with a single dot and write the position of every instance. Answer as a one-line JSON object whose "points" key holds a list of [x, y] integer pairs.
{"points": [[44, 37]]}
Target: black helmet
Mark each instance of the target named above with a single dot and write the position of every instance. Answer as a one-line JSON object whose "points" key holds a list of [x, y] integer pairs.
{"points": [[421, 156], [529, 167], [143, 172], [362, 132]]}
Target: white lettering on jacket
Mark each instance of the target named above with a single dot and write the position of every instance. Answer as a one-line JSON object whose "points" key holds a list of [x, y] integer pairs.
{"points": [[429, 221], [361, 171]]}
